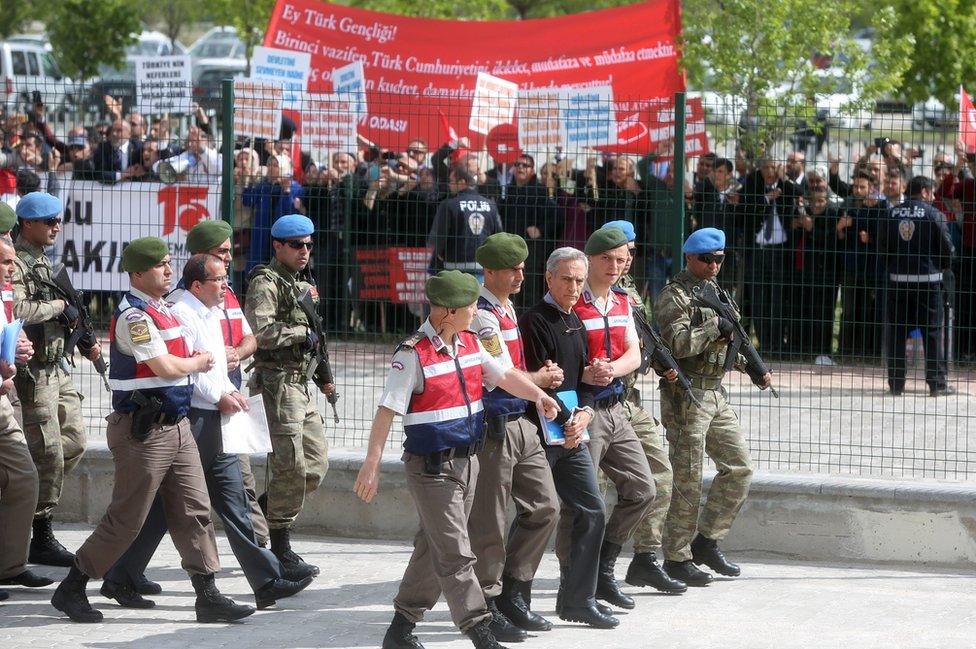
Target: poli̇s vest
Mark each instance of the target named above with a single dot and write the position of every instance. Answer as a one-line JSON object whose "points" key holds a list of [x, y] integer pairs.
{"points": [[498, 402], [448, 413], [126, 375], [606, 335]]}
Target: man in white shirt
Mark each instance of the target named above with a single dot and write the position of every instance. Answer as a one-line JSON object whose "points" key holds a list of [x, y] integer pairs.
{"points": [[205, 279]]}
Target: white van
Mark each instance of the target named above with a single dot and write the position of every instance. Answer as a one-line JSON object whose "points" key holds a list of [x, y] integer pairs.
{"points": [[27, 66]]}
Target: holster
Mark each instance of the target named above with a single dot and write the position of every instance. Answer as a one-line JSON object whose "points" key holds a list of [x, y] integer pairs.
{"points": [[496, 426], [145, 416], [433, 464]]}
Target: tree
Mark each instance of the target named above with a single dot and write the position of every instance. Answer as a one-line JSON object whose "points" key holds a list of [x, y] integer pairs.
{"points": [[249, 17], [171, 16], [15, 14], [87, 34], [472, 10]]}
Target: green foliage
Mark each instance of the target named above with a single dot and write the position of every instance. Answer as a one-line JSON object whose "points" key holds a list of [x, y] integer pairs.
{"points": [[15, 14], [89, 33], [171, 16], [249, 17]]}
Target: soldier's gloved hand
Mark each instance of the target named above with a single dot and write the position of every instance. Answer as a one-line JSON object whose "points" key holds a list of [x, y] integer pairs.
{"points": [[70, 314], [311, 341], [726, 327]]}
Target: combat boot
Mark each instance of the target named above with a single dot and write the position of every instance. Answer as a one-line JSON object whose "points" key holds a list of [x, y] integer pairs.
{"points": [[482, 636], [400, 634], [277, 589], [607, 587], [687, 572], [70, 598], [644, 570], [211, 606], [281, 548], [589, 615], [143, 586], [513, 604], [705, 551], [563, 571], [45, 550], [501, 627], [125, 595]]}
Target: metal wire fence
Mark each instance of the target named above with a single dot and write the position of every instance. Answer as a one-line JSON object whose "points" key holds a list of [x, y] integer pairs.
{"points": [[818, 252]]}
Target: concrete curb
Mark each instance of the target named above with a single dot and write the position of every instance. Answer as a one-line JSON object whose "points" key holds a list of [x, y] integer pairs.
{"points": [[810, 517]]}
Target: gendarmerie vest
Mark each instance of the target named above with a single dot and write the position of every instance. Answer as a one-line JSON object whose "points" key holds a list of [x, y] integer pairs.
{"points": [[499, 402], [606, 335]]}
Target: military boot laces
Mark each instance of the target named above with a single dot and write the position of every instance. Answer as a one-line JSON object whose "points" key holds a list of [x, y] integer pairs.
{"points": [[513, 605], [644, 570], [70, 598], [501, 627], [45, 550], [607, 587], [211, 606], [687, 572], [400, 635], [482, 637], [292, 564], [705, 551]]}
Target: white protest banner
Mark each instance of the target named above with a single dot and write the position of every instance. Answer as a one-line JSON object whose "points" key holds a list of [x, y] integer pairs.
{"points": [[100, 220], [539, 123], [329, 125], [285, 67], [163, 84], [257, 109], [588, 117], [351, 79], [494, 103]]}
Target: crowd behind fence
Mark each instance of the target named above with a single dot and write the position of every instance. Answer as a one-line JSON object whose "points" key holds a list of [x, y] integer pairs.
{"points": [[806, 208]]}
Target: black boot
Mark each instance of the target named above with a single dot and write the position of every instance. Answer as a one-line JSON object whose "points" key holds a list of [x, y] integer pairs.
{"points": [[513, 605], [45, 549], [143, 586], [607, 588], [705, 551], [501, 627], [281, 548], [687, 572], [70, 598], [644, 570], [400, 634], [298, 571], [211, 606], [563, 571], [27, 579], [589, 615], [125, 595], [277, 589], [482, 636]]}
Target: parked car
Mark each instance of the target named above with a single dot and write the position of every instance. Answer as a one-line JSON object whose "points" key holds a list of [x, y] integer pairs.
{"points": [[934, 114], [26, 67], [218, 44], [120, 83], [835, 97]]}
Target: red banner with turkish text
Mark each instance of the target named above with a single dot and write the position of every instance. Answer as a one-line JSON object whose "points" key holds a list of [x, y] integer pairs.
{"points": [[392, 274], [414, 66]]}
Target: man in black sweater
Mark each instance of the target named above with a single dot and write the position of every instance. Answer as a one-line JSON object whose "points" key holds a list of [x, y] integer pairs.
{"points": [[551, 331]]}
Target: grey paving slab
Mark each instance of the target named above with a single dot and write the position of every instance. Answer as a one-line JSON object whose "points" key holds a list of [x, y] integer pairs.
{"points": [[775, 604]]}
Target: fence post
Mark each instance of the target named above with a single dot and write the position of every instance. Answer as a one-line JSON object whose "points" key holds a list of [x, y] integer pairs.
{"points": [[677, 237], [227, 135]]}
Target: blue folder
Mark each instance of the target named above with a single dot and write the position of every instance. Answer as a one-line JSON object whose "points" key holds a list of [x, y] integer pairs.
{"points": [[8, 340], [552, 431]]}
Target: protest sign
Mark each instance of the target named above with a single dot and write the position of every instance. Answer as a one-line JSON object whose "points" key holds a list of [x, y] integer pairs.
{"points": [[257, 109], [587, 117], [661, 129], [285, 68], [163, 84], [494, 103], [539, 123], [328, 125], [351, 80], [394, 275]]}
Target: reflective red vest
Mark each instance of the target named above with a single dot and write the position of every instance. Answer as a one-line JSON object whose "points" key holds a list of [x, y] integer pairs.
{"points": [[499, 402], [7, 296], [448, 413], [606, 335], [232, 325]]}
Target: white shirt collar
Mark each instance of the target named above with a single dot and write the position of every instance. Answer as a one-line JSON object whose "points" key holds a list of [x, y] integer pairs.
{"points": [[436, 340], [159, 303], [590, 297], [495, 302]]}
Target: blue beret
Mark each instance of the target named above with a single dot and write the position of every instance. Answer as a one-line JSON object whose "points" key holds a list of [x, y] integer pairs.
{"points": [[38, 205], [704, 240], [626, 226], [292, 226]]}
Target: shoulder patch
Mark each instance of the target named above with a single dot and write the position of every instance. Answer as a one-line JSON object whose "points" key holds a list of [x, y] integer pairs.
{"points": [[134, 316], [492, 344], [397, 365], [484, 332], [139, 332]]}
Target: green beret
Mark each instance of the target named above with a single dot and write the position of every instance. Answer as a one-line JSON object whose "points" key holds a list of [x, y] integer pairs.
{"points": [[8, 218], [605, 239], [502, 250], [452, 289], [208, 234], [143, 253]]}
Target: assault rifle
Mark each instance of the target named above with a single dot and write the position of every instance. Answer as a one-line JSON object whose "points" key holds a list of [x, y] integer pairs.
{"points": [[82, 335], [320, 369], [711, 296], [653, 350]]}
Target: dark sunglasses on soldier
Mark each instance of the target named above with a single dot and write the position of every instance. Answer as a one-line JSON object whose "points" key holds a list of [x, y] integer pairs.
{"points": [[710, 258], [298, 245], [52, 222]]}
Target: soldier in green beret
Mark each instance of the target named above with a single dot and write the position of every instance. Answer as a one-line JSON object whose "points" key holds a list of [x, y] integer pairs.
{"points": [[436, 382]]}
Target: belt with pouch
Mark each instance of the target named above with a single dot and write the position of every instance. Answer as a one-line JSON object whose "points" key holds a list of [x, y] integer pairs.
{"points": [[608, 402], [434, 461], [705, 382]]}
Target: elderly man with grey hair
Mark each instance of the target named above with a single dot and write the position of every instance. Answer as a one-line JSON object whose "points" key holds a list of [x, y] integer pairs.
{"points": [[552, 331]]}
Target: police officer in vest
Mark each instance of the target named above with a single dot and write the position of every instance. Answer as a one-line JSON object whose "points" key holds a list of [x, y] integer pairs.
{"points": [[917, 246], [50, 404], [149, 436], [435, 383], [644, 570], [513, 463], [614, 352], [285, 343], [699, 340]]}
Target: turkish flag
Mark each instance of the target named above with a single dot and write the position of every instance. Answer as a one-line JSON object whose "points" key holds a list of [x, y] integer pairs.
{"points": [[967, 121]]}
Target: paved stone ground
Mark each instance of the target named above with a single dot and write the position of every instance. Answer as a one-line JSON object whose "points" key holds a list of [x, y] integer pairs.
{"points": [[776, 604]]}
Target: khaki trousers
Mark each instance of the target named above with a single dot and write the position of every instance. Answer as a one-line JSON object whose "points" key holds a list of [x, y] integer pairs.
{"points": [[512, 467], [442, 560], [18, 494], [166, 462]]}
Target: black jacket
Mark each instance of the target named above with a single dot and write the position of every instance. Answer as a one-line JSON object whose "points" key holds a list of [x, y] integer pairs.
{"points": [[916, 242]]}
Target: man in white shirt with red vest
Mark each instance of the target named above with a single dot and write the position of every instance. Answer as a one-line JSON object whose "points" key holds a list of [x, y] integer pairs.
{"points": [[614, 352], [435, 383], [513, 463]]}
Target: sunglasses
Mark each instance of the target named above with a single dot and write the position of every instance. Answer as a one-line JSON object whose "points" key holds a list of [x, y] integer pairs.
{"points": [[52, 222], [710, 258], [298, 245]]}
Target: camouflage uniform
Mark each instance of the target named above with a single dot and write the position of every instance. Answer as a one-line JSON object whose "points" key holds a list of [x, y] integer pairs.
{"points": [[299, 459], [713, 427], [50, 404]]}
